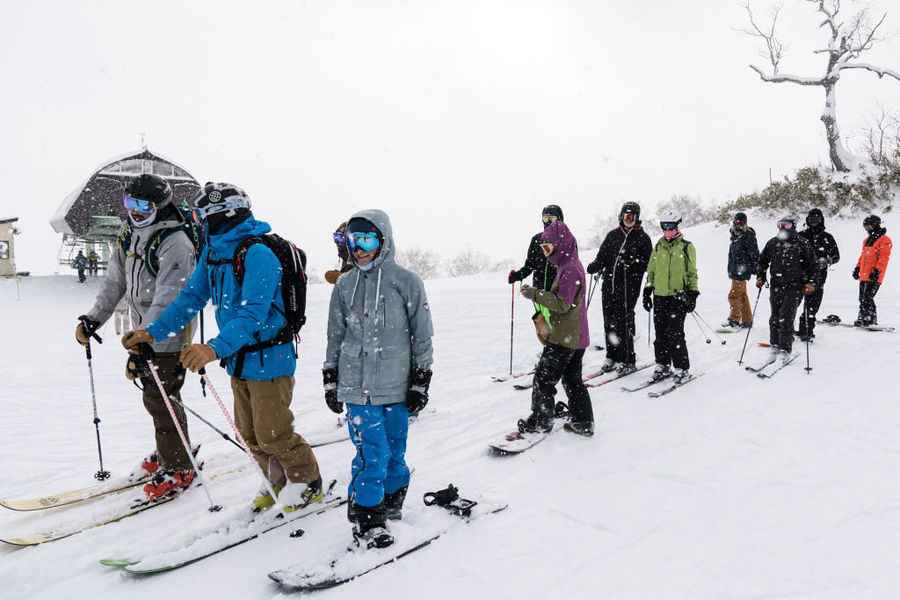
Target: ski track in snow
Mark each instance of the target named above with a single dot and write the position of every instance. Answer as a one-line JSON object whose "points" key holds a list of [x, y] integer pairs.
{"points": [[733, 487]]}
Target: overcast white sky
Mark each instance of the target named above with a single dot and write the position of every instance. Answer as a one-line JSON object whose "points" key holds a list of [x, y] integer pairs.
{"points": [[460, 118]]}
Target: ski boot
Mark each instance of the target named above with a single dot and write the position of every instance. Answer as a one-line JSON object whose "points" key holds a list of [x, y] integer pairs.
{"points": [[297, 496], [148, 467], [169, 483], [536, 423], [585, 428], [624, 369], [730, 324], [608, 365], [660, 372], [370, 529], [393, 504], [263, 499], [681, 376]]}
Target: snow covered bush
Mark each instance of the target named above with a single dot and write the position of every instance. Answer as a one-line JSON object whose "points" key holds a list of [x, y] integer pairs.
{"points": [[423, 262], [468, 262]]}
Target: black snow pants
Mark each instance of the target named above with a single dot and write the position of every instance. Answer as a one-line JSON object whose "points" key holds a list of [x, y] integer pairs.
{"points": [[558, 363], [868, 312], [619, 300], [784, 301], [670, 345], [811, 306]]}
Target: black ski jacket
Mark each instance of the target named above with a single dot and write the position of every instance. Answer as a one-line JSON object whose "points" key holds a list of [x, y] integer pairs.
{"points": [[743, 254], [623, 252], [825, 250], [537, 263], [791, 261]]}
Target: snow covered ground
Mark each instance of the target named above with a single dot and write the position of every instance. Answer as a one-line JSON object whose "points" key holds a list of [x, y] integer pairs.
{"points": [[732, 487]]}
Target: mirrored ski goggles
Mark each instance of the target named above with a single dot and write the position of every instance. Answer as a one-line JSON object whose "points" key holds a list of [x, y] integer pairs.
{"points": [[138, 205], [785, 225], [365, 241], [339, 238], [550, 218], [668, 226]]}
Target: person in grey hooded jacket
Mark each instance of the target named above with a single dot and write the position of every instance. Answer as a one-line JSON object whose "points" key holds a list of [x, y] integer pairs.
{"points": [[378, 363], [150, 264]]}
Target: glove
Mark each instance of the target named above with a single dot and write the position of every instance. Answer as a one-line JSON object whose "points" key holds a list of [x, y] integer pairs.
{"points": [[873, 275], [822, 263], [136, 368], [139, 336], [809, 289], [690, 300], [329, 379], [856, 272], [648, 298], [197, 356], [85, 329], [417, 396], [760, 281], [513, 277], [593, 268], [528, 292], [332, 276]]}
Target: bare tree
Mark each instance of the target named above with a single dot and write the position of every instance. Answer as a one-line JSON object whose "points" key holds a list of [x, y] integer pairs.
{"points": [[424, 263], [881, 137], [848, 40], [468, 262]]}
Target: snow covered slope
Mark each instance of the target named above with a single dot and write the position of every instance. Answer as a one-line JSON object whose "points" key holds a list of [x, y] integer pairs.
{"points": [[730, 488]]}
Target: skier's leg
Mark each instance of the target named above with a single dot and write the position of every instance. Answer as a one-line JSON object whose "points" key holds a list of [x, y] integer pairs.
{"points": [[548, 373], [273, 425], [811, 308], [776, 297], [735, 312], [579, 399], [676, 340], [745, 309], [243, 420], [368, 434], [788, 313], [172, 455], [660, 325], [396, 422], [609, 320]]}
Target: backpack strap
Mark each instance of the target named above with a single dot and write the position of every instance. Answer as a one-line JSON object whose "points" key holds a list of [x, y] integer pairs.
{"points": [[151, 260]]}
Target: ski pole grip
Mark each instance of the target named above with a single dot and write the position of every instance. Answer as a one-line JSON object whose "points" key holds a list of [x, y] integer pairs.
{"points": [[90, 328], [145, 351]]}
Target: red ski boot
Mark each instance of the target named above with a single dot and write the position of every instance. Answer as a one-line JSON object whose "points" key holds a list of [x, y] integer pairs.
{"points": [[168, 483]]}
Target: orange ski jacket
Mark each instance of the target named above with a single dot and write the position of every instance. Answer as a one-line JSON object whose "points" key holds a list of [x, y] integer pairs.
{"points": [[875, 254]]}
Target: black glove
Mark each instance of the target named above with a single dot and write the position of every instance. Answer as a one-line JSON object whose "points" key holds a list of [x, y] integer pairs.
{"points": [[873, 275], [137, 367], [648, 298], [690, 300], [856, 272], [513, 277], [329, 379], [417, 396], [85, 329], [593, 267]]}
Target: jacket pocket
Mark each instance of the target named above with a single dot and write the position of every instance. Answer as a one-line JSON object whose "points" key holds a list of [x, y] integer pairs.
{"points": [[392, 372], [350, 369]]}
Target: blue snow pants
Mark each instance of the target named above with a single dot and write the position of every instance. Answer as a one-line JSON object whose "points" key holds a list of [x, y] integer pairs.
{"points": [[379, 434]]}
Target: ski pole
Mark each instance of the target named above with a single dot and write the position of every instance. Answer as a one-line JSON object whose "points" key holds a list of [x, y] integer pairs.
{"points": [[649, 322], [148, 355], [594, 281], [102, 474], [749, 329], [714, 332], [702, 332], [210, 425], [237, 434], [203, 381], [806, 310], [512, 324]]}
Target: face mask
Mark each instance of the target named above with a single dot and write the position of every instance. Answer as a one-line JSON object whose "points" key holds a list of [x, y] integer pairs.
{"points": [[148, 219], [783, 234], [670, 234]]}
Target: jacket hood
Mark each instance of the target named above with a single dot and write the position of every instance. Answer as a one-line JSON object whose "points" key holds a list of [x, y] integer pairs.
{"points": [[379, 219], [565, 248], [223, 245]]}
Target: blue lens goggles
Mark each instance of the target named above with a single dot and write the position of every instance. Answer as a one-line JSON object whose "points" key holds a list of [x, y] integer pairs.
{"points": [[365, 241], [668, 226], [339, 238], [145, 207]]}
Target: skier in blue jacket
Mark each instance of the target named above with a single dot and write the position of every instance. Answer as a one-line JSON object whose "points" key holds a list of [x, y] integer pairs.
{"points": [[248, 314], [378, 363]]}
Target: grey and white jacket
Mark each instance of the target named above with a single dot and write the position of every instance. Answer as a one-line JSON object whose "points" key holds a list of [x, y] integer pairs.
{"points": [[128, 278], [379, 326]]}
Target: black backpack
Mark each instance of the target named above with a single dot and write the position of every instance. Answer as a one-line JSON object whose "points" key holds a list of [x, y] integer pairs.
{"points": [[293, 289], [191, 229]]}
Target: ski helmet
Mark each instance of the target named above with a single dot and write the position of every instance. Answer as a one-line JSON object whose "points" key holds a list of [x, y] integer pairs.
{"points": [[815, 218], [669, 219], [221, 206], [150, 188], [632, 208], [788, 222], [872, 222], [740, 217]]}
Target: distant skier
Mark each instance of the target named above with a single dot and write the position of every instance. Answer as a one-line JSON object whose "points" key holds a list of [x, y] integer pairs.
{"points": [[743, 256], [826, 253], [80, 264], [535, 262], [791, 261], [870, 269], [564, 310], [340, 240], [254, 343], [148, 267], [621, 262], [671, 291], [378, 363], [93, 263]]}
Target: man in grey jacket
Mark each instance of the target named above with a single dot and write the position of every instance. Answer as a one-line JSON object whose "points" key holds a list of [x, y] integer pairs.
{"points": [[378, 363], [151, 261]]}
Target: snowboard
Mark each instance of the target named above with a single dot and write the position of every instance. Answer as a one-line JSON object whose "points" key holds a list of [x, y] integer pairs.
{"points": [[353, 563], [882, 328], [517, 442]]}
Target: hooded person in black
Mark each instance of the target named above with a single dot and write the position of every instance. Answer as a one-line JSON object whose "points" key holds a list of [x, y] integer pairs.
{"points": [[826, 253], [535, 261], [743, 256], [621, 262]]}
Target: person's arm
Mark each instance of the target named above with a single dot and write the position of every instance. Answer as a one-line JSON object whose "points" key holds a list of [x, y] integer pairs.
{"points": [[421, 329], [834, 254], [337, 328], [808, 263], [552, 301], [182, 310], [651, 268], [644, 250], [764, 259], [175, 257], [883, 256], [691, 279], [533, 260], [113, 289]]}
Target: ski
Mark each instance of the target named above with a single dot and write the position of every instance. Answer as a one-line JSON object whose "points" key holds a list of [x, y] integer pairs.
{"points": [[768, 373], [354, 563], [674, 386], [647, 383], [504, 378], [227, 535], [615, 376], [759, 368], [591, 375]]}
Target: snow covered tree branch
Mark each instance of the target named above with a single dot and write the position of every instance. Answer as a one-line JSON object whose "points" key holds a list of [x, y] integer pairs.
{"points": [[848, 40]]}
